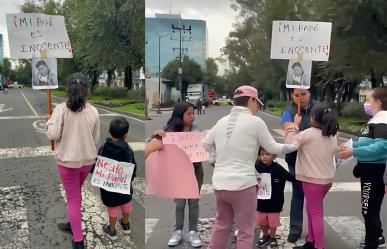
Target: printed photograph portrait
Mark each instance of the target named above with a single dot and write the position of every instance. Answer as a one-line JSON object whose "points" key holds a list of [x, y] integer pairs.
{"points": [[299, 74], [44, 73]]}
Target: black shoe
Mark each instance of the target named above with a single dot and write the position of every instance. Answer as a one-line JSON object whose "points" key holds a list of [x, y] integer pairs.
{"points": [[381, 243], [273, 243], [293, 237], [264, 241], [307, 245], [110, 233], [65, 227], [125, 227], [79, 245]]}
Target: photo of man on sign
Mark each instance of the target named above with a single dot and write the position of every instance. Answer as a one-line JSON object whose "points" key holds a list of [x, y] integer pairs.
{"points": [[299, 73], [44, 73]]}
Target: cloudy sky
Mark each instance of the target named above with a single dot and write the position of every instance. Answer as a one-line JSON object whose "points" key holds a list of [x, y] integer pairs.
{"points": [[217, 13], [7, 6]]}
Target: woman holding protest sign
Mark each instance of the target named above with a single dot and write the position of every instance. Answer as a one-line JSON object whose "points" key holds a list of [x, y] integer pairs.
{"points": [[182, 120], [75, 128], [370, 151], [233, 144]]}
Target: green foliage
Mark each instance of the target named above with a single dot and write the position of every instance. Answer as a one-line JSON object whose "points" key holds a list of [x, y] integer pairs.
{"points": [[353, 109], [6, 68], [111, 92], [210, 72], [137, 95], [192, 72]]}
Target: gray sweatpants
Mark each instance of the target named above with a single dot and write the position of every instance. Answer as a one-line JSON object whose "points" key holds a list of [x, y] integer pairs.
{"points": [[193, 205]]}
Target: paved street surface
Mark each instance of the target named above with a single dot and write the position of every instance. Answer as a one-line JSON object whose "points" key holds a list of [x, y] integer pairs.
{"points": [[343, 221], [31, 195]]}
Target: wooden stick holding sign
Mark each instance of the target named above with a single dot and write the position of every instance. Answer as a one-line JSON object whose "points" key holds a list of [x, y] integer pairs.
{"points": [[43, 56]]}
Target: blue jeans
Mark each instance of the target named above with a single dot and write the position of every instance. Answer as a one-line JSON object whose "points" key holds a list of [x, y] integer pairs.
{"points": [[297, 204]]}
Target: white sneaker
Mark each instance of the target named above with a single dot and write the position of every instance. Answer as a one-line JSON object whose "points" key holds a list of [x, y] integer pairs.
{"points": [[177, 237], [194, 239]]}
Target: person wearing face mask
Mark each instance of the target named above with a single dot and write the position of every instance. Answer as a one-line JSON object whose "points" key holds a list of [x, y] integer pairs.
{"points": [[370, 151]]}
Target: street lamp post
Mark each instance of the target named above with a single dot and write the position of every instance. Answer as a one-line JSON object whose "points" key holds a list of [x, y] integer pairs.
{"points": [[159, 101]]}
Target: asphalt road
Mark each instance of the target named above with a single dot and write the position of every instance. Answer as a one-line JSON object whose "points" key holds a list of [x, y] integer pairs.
{"points": [[31, 195], [343, 221]]}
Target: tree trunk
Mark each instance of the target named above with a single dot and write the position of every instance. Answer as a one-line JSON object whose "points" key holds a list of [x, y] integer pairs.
{"points": [[110, 77], [128, 77]]}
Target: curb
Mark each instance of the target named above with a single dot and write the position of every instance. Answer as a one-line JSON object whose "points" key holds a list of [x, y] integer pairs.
{"points": [[133, 115]]}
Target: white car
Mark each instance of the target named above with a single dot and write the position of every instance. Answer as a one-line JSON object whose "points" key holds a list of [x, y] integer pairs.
{"points": [[16, 85]]}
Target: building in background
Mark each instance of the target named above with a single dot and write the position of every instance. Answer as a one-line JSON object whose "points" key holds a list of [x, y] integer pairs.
{"points": [[194, 45], [1, 49]]}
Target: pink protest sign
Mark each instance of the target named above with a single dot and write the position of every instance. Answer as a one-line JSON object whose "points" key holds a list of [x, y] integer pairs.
{"points": [[170, 173], [190, 142], [112, 175]]}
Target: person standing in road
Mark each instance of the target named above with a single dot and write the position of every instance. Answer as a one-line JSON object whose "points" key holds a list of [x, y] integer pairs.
{"points": [[75, 128], [182, 120], [315, 167], [287, 119], [370, 151], [233, 144], [199, 105]]}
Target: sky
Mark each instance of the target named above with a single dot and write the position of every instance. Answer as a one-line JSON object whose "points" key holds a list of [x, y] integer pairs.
{"points": [[7, 6], [217, 13]]}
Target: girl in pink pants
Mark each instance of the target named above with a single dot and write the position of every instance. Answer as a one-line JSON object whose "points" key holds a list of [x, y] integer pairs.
{"points": [[75, 128], [315, 167]]}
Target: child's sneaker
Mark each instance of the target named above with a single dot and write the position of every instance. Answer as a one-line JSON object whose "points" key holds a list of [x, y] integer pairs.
{"points": [[65, 227], [273, 243], [177, 237], [111, 234], [125, 227], [264, 241], [381, 243]]}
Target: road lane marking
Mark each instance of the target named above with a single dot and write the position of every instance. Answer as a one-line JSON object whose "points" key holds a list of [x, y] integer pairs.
{"points": [[150, 224], [42, 151], [350, 229], [5, 110], [14, 231], [43, 117], [29, 104]]}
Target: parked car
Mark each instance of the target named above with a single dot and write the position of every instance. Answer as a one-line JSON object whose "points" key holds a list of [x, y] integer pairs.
{"points": [[223, 101], [16, 85]]}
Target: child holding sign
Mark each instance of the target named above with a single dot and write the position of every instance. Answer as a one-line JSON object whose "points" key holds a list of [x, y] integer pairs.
{"points": [[117, 148], [315, 167], [270, 205]]}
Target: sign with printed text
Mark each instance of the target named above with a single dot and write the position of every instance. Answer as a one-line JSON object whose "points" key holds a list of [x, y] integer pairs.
{"points": [[190, 142], [112, 175], [301, 40], [29, 33], [264, 187]]}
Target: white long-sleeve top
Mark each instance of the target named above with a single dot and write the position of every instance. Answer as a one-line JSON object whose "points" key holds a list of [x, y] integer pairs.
{"points": [[233, 144]]}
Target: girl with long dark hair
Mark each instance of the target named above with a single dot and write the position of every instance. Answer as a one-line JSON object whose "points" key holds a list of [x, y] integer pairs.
{"points": [[75, 128], [182, 120]]}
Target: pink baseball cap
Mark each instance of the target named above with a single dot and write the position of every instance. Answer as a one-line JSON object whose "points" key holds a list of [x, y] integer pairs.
{"points": [[247, 91]]}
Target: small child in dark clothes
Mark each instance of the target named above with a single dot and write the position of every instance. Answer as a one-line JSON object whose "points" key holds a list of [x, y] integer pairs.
{"points": [[117, 148], [268, 211]]}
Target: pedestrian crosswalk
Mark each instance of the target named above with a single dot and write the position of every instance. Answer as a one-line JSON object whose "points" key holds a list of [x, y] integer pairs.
{"points": [[16, 215], [349, 229]]}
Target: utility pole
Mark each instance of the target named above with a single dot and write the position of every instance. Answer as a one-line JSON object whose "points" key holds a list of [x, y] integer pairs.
{"points": [[180, 29]]}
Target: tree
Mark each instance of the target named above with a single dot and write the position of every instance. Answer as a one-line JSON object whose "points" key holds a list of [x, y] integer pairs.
{"points": [[6, 68], [192, 73], [210, 72]]}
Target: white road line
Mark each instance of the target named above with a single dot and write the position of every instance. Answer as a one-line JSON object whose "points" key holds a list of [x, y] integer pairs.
{"points": [[350, 229], [14, 231], [41, 151], [29, 104], [150, 224], [139, 120], [21, 117]]}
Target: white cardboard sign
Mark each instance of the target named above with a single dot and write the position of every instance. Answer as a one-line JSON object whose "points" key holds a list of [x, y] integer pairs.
{"points": [[29, 33], [301, 40], [112, 175]]}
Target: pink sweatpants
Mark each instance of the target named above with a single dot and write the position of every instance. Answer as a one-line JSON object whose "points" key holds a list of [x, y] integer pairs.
{"points": [[73, 180], [314, 196], [241, 206]]}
